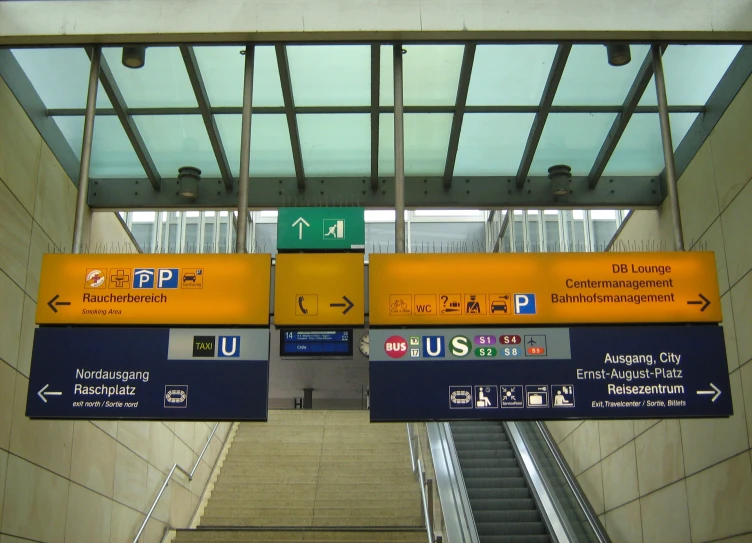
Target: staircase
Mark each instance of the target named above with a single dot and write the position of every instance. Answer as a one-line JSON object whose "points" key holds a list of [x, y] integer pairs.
{"points": [[503, 507], [314, 476]]}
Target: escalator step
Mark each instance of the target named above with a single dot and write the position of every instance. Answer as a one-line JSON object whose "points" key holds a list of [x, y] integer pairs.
{"points": [[524, 504], [516, 539], [477, 463], [514, 516], [473, 431], [510, 528], [496, 493], [471, 454], [482, 482], [482, 446], [499, 473]]}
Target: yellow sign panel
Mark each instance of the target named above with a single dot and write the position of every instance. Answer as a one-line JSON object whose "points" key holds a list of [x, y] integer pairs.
{"points": [[543, 288], [155, 289], [316, 289]]}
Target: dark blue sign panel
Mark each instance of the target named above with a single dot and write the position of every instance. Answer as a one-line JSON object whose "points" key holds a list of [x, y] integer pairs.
{"points": [[149, 373], [549, 373], [316, 343]]}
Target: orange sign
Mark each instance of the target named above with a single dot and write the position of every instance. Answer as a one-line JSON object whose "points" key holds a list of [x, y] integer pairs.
{"points": [[319, 289], [155, 289], [543, 288]]}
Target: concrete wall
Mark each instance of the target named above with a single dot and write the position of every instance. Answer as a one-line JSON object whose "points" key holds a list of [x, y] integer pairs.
{"points": [[171, 21], [687, 480], [72, 482]]}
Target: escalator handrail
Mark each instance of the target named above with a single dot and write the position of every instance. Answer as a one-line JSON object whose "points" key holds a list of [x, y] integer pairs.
{"points": [[574, 486], [552, 513], [417, 465], [459, 523]]}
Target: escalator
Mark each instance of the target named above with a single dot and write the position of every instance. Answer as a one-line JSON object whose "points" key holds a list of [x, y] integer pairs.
{"points": [[507, 482], [503, 507]]}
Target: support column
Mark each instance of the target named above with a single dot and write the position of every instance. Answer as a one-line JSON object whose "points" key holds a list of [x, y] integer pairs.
{"points": [[307, 398], [399, 154], [245, 155], [83, 174], [668, 147]]}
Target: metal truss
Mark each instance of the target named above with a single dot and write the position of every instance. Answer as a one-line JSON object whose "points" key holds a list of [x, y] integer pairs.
{"points": [[544, 108], [375, 87], [459, 112], [129, 125], [199, 89], [644, 75], [292, 120]]}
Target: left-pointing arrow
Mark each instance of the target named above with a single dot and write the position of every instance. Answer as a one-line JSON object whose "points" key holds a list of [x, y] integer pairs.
{"points": [[42, 393], [53, 302]]}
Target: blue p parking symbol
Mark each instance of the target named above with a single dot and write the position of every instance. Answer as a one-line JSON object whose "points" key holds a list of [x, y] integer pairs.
{"points": [[168, 278], [524, 304]]}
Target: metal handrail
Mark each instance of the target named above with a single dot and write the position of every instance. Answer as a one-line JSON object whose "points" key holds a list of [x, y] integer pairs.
{"points": [[573, 484], [458, 522], [553, 515], [417, 465], [167, 481]]}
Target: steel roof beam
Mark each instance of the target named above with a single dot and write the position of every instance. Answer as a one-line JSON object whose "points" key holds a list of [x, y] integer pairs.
{"points": [[544, 108], [420, 192], [292, 120], [199, 89], [640, 83], [375, 86], [129, 125], [459, 112], [272, 110]]}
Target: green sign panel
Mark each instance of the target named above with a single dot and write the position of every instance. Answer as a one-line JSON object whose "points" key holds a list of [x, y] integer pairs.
{"points": [[321, 228]]}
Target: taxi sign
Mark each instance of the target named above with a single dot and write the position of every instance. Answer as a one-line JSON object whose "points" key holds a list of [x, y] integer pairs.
{"points": [[319, 289], [160, 289], [543, 288]]}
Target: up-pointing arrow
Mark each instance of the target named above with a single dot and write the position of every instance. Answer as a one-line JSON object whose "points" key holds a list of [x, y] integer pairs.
{"points": [[299, 223]]}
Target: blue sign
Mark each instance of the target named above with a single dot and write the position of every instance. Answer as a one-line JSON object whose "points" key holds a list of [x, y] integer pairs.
{"points": [[557, 373], [433, 347], [524, 304], [316, 343], [149, 373]]}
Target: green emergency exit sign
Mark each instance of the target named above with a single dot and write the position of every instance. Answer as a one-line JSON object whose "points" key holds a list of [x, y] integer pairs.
{"points": [[321, 228]]}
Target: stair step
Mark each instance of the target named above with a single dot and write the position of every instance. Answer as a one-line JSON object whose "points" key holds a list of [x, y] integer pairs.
{"points": [[361, 512], [415, 520], [228, 536]]}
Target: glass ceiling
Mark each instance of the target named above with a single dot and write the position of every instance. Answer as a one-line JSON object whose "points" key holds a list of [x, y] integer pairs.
{"points": [[331, 89]]}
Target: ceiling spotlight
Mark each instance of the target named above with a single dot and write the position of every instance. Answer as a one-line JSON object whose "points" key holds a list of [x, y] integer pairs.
{"points": [[560, 176], [618, 54], [134, 56], [188, 178]]}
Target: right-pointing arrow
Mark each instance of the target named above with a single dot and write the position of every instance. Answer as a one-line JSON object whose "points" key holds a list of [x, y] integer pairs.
{"points": [[716, 391], [704, 302]]}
